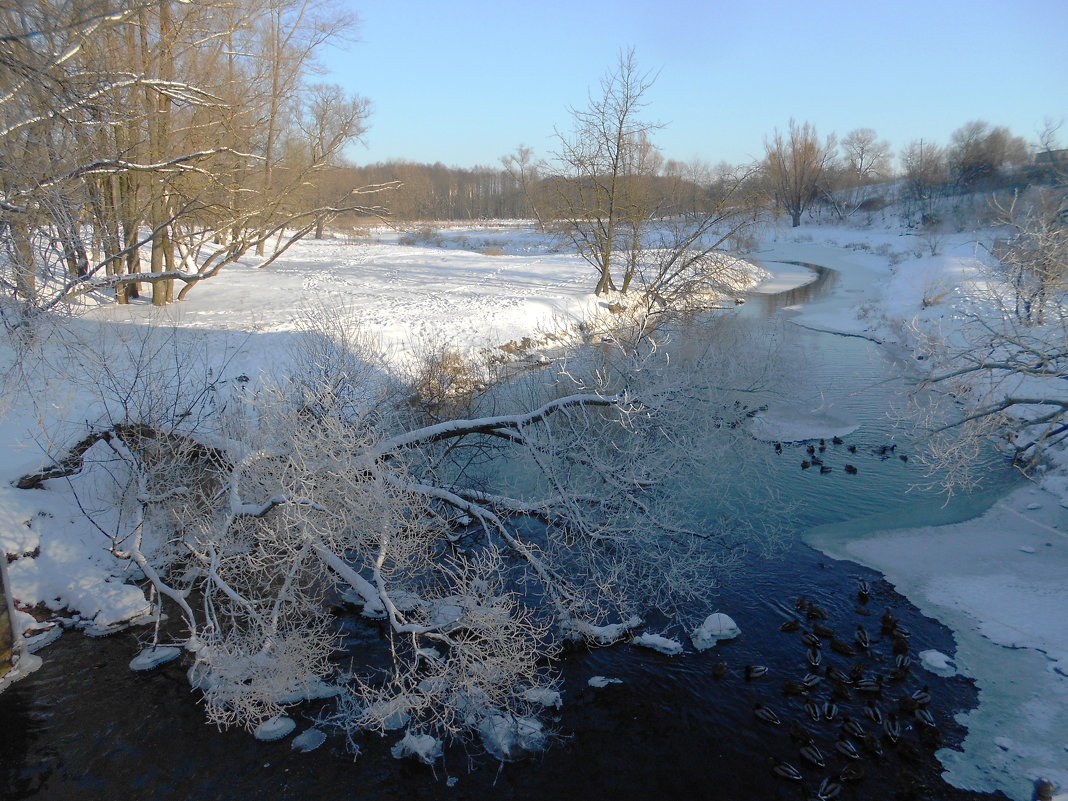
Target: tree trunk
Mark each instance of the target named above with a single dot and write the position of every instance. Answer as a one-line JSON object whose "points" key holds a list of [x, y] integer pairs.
{"points": [[795, 219]]}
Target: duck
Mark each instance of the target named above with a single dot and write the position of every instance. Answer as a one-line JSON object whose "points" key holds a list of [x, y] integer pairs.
{"points": [[888, 621], [892, 728], [765, 714], [907, 705], [837, 440], [836, 675], [810, 639], [801, 603], [844, 746], [791, 625], [922, 696], [900, 631], [902, 457], [799, 734], [814, 612], [754, 672], [851, 772], [851, 469], [830, 710], [778, 447], [813, 657], [812, 709], [805, 465], [870, 686], [853, 727], [811, 449], [822, 630], [872, 745], [903, 661], [791, 687], [843, 648], [824, 469], [924, 716], [862, 639], [852, 448], [873, 713], [784, 770], [810, 753], [719, 670], [898, 645], [811, 681], [841, 692], [863, 592], [828, 789]]}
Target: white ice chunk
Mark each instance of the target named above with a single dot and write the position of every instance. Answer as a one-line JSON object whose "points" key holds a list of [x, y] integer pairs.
{"points": [[423, 747], [275, 729], [716, 627], [938, 662], [308, 740], [154, 655], [544, 696], [510, 737], [602, 681], [664, 645]]}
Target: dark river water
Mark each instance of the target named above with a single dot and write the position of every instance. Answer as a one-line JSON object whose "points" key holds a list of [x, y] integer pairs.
{"points": [[85, 727]]}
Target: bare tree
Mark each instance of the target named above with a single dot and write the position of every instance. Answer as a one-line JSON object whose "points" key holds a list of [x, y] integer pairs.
{"points": [[603, 164], [794, 167], [323, 485]]}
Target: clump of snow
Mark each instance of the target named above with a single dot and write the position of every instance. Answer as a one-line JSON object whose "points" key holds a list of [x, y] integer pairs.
{"points": [[938, 662], [26, 664], [308, 740], [664, 645], [423, 747], [716, 627], [602, 681], [274, 729], [508, 738], [153, 656], [544, 696]]}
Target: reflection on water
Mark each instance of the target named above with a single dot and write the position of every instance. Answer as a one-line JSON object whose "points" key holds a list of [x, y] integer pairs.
{"points": [[769, 303], [85, 727]]}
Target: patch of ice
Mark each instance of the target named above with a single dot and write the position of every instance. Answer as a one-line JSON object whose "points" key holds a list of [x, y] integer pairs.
{"points": [[308, 740], [154, 655], [791, 424], [664, 645], [602, 681], [274, 729], [510, 737], [423, 747], [1027, 548], [716, 627], [938, 662], [544, 696]]}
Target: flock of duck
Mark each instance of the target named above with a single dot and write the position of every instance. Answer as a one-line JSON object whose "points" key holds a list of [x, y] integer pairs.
{"points": [[815, 454], [859, 691]]}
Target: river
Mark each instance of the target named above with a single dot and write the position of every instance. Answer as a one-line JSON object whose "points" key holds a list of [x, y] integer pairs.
{"points": [[85, 727]]}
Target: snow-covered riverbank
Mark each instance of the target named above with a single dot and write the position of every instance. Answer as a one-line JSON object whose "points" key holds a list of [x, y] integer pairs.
{"points": [[1004, 602]]}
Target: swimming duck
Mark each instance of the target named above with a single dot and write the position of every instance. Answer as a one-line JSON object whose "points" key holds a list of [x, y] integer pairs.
{"points": [[791, 687], [812, 709], [784, 770], [811, 680], [813, 657], [862, 639], [836, 675], [852, 448], [810, 639], [841, 692], [872, 745], [851, 469], [791, 625], [830, 710], [765, 714], [805, 465], [799, 734], [754, 672], [873, 713], [843, 648], [844, 746], [836, 440], [852, 727], [814, 612], [719, 670], [892, 728], [811, 450], [824, 469], [810, 753], [870, 686], [863, 592], [822, 630], [903, 457], [922, 696], [888, 621], [851, 772], [924, 716], [778, 447], [828, 790]]}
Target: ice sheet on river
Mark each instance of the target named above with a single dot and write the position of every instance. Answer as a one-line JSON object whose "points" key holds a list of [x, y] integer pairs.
{"points": [[998, 582], [791, 424]]}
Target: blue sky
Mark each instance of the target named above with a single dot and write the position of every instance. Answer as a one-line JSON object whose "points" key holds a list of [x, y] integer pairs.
{"points": [[464, 82]]}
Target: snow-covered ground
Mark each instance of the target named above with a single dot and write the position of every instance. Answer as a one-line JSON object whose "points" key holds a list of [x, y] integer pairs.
{"points": [[997, 581]]}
